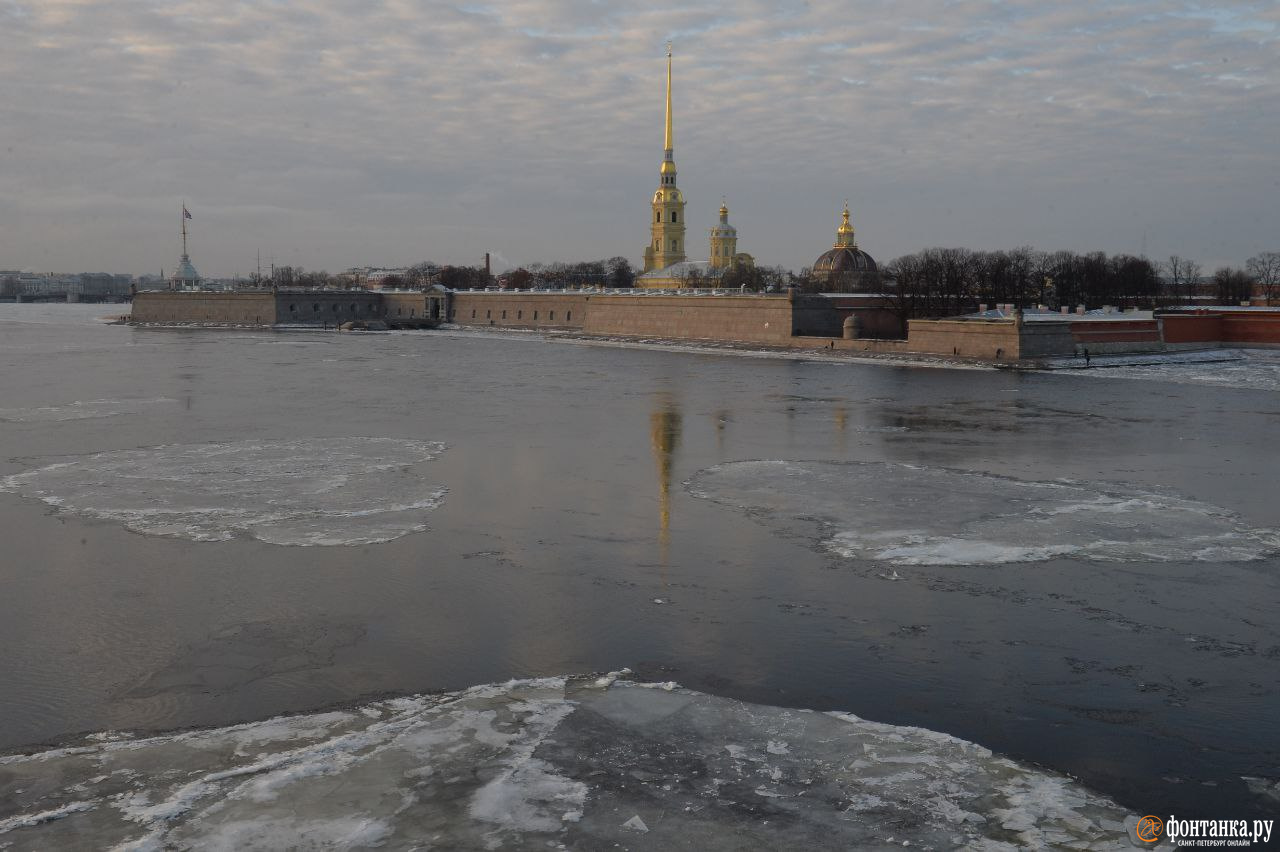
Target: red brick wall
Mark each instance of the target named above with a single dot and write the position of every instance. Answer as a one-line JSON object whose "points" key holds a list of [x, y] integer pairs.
{"points": [[1116, 331], [1251, 327], [1192, 328]]}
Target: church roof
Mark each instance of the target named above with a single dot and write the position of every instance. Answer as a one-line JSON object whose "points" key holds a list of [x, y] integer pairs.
{"points": [[844, 259], [185, 271]]}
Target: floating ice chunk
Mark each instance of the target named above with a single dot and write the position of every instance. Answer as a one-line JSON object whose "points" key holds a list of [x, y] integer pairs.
{"points": [[325, 491], [636, 824], [548, 763], [890, 513]]}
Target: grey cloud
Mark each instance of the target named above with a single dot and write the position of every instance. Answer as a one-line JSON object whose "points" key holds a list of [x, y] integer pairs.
{"points": [[431, 121]]}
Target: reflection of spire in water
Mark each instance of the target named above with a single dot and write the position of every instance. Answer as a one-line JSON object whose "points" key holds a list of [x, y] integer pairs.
{"points": [[664, 432]]}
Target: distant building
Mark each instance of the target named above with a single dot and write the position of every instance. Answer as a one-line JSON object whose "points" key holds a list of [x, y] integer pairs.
{"points": [[845, 267]]}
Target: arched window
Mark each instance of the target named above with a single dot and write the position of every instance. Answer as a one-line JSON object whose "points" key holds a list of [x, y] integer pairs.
{"points": [[657, 215], [673, 215]]}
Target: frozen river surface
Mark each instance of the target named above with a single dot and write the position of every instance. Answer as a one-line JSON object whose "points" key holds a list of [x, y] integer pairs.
{"points": [[1076, 571]]}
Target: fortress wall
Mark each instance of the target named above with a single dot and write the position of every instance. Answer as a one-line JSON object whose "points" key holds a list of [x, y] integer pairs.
{"points": [[995, 340], [414, 308], [326, 307], [748, 319], [1047, 339], [1191, 328], [170, 307], [1118, 335], [521, 309], [1223, 327], [1251, 328]]}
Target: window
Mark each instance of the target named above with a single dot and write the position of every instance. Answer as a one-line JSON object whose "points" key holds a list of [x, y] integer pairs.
{"points": [[293, 308], [488, 314], [399, 311], [335, 308], [535, 314], [519, 314], [673, 245], [504, 314], [657, 215], [551, 315], [568, 315], [673, 215], [411, 313], [315, 308]]}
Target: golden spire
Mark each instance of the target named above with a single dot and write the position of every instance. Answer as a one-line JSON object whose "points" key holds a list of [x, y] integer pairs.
{"points": [[724, 211], [844, 234], [668, 144], [668, 153]]}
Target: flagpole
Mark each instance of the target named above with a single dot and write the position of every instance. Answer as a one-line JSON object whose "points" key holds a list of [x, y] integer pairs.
{"points": [[184, 227]]}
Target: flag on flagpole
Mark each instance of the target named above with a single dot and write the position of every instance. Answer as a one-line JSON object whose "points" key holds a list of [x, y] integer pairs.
{"points": [[185, 214]]}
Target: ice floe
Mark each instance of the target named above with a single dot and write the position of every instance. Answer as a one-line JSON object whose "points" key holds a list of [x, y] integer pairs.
{"points": [[89, 409], [561, 762], [320, 491], [909, 515], [1246, 369]]}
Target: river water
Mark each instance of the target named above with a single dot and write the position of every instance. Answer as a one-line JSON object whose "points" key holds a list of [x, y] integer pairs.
{"points": [[1077, 570]]}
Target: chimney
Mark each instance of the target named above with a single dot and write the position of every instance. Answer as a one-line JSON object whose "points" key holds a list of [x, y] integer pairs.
{"points": [[487, 273]]}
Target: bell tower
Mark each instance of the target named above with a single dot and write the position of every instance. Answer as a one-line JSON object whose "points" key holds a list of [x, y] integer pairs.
{"points": [[666, 220], [724, 241]]}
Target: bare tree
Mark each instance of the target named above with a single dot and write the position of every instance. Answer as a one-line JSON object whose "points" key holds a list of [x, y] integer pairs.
{"points": [[1265, 269], [1232, 286], [1183, 277]]}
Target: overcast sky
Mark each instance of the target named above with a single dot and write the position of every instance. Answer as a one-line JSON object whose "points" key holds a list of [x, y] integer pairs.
{"points": [[335, 133]]}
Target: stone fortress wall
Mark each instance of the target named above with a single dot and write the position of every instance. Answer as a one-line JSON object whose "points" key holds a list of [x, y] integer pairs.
{"points": [[844, 323], [325, 308]]}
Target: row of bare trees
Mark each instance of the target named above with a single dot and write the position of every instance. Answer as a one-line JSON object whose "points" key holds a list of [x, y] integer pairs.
{"points": [[931, 282], [942, 281]]}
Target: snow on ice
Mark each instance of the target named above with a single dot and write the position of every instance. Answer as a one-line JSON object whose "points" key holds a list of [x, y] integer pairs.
{"points": [[323, 491], [891, 513], [550, 763]]}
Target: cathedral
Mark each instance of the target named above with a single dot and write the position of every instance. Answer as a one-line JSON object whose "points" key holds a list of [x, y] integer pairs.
{"points": [[665, 263]]}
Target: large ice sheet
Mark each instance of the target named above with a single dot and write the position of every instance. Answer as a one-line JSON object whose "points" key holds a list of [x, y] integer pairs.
{"points": [[905, 514], [1248, 369], [551, 763], [320, 491]]}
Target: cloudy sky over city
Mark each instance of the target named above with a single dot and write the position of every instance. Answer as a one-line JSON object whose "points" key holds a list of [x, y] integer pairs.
{"points": [[334, 133]]}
